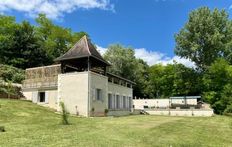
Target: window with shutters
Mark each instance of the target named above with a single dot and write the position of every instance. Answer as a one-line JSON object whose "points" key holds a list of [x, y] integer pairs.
{"points": [[99, 94]]}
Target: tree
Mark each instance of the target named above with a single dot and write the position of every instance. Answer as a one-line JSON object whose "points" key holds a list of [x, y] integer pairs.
{"points": [[26, 50], [55, 40], [205, 37], [18, 44], [218, 85], [125, 64], [23, 45], [187, 81], [122, 60], [7, 29], [156, 81], [12, 74], [173, 80], [141, 79]]}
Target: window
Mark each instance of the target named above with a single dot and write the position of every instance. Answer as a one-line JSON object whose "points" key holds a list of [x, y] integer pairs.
{"points": [[124, 102], [110, 106], [114, 101], [145, 106], [129, 102], [41, 97], [117, 101], [99, 94]]}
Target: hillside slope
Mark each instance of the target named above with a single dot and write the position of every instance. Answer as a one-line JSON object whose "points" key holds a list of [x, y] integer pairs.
{"points": [[28, 124]]}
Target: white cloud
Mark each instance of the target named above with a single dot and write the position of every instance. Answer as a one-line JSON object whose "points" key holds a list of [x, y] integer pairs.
{"points": [[152, 57], [53, 8], [149, 56], [102, 50]]}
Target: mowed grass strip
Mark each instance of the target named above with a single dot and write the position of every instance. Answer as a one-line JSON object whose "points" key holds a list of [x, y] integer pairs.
{"points": [[28, 124]]}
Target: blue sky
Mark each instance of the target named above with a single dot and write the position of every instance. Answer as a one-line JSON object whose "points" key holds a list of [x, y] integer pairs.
{"points": [[147, 25]]}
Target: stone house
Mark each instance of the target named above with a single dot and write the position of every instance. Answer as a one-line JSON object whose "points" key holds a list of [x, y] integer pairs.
{"points": [[79, 78]]}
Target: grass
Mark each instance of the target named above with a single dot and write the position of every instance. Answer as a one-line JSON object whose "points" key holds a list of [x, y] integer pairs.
{"points": [[27, 124]]}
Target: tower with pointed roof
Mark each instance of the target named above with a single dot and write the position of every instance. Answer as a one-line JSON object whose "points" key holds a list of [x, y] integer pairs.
{"points": [[81, 81], [83, 56]]}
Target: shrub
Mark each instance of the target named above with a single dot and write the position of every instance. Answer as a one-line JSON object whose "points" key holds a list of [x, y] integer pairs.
{"points": [[2, 129], [10, 73], [64, 114], [106, 111], [228, 110], [8, 90], [92, 111]]}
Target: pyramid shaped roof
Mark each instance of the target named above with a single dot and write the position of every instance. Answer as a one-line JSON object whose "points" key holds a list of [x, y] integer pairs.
{"points": [[83, 48]]}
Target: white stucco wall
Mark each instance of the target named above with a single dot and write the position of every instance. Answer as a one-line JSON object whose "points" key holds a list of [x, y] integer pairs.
{"points": [[101, 82], [182, 112], [98, 82], [28, 95], [181, 101], [120, 90], [73, 91], [77, 91], [140, 103], [50, 97]]}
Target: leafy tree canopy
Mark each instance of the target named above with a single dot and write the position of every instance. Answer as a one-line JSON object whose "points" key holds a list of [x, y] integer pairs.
{"points": [[125, 64], [23, 45], [205, 37], [218, 85], [173, 80]]}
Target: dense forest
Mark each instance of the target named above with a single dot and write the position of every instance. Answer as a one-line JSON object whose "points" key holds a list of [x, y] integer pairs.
{"points": [[205, 39]]}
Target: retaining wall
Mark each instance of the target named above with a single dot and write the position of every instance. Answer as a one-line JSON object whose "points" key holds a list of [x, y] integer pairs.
{"points": [[181, 112]]}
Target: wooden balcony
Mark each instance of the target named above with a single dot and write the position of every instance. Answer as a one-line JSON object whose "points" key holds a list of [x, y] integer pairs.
{"points": [[42, 77], [47, 82]]}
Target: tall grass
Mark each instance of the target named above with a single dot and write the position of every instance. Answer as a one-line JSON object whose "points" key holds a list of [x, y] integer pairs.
{"points": [[64, 114]]}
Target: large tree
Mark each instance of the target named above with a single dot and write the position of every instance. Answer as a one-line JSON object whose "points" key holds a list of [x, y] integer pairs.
{"points": [[7, 30], [122, 60], [24, 45], [125, 64], [205, 37], [55, 40], [19, 45]]}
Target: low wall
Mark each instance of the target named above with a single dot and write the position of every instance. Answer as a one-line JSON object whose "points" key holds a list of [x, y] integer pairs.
{"points": [[140, 103], [160, 103], [181, 112], [118, 113]]}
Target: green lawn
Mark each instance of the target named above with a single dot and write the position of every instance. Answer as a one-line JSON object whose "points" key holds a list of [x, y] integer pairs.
{"points": [[28, 124]]}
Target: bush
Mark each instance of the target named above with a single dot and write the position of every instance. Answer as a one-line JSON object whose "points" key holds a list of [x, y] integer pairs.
{"points": [[8, 90], [228, 110], [106, 111], [92, 111], [2, 129], [64, 114], [10, 73]]}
